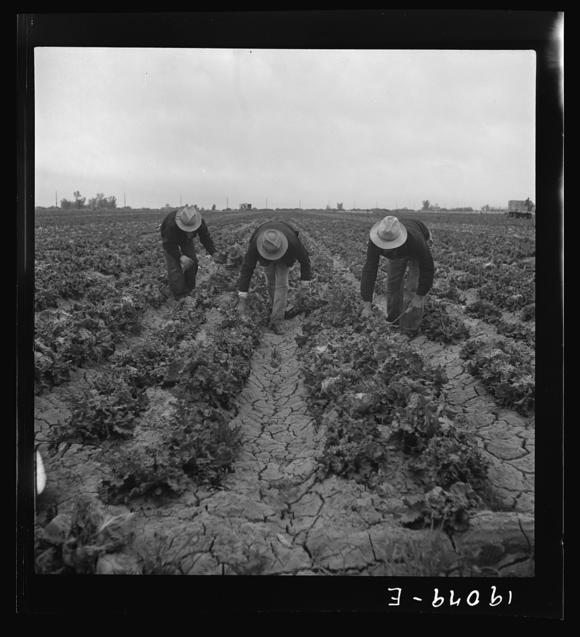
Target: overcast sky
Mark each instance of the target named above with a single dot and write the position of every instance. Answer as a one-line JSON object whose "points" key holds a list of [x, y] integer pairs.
{"points": [[291, 126]]}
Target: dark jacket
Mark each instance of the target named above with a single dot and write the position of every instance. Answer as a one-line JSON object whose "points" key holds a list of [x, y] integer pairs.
{"points": [[414, 248], [296, 251], [177, 242]]}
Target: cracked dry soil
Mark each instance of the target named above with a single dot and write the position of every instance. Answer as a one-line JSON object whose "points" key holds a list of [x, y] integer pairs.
{"points": [[274, 516]]}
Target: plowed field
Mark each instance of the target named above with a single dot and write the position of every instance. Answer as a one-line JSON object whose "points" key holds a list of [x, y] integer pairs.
{"points": [[180, 439]]}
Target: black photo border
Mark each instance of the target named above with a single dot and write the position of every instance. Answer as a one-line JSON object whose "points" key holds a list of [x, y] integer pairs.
{"points": [[537, 597]]}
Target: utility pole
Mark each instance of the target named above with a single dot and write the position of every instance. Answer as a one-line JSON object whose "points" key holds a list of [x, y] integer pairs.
{"points": [[56, 199], [227, 203], [124, 201]]}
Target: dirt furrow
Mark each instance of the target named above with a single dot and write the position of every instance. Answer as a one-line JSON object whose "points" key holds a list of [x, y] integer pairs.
{"points": [[273, 515]]}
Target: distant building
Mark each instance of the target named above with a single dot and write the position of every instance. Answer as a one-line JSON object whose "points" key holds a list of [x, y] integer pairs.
{"points": [[245, 206], [519, 208]]}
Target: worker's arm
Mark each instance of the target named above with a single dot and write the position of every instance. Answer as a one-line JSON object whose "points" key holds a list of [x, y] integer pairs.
{"points": [[186, 245], [169, 237], [171, 244], [426, 267], [205, 238], [304, 259], [369, 273], [247, 269]]}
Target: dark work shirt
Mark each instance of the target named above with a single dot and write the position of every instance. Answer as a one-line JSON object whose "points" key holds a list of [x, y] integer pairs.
{"points": [[177, 242], [296, 251], [415, 248]]}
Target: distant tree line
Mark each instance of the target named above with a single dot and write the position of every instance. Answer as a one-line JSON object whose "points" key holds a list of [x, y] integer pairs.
{"points": [[168, 206], [98, 202], [428, 206]]}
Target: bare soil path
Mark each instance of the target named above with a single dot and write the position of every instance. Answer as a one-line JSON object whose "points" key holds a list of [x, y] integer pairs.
{"points": [[272, 514]]}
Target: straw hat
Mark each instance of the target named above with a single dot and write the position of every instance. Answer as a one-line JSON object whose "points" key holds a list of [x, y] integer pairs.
{"points": [[388, 233], [188, 219], [272, 244]]}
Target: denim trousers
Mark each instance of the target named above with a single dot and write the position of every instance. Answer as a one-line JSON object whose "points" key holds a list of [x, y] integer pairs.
{"points": [[180, 282], [400, 290], [277, 280]]}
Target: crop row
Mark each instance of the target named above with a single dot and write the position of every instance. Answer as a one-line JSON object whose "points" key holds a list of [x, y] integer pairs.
{"points": [[107, 277], [377, 398], [511, 380], [205, 378], [202, 367], [495, 262], [207, 375]]}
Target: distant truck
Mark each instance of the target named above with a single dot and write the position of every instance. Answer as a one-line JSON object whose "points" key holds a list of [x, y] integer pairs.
{"points": [[521, 209]]}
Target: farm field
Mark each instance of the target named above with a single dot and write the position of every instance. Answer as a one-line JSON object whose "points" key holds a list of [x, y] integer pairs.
{"points": [[181, 439]]}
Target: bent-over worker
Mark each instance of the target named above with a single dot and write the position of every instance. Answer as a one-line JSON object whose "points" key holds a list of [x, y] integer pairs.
{"points": [[275, 246], [406, 246], [178, 230]]}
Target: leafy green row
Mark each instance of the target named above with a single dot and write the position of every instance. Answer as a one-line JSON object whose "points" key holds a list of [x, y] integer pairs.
{"points": [[108, 307], [506, 369], [497, 263], [207, 375], [198, 444], [375, 396]]}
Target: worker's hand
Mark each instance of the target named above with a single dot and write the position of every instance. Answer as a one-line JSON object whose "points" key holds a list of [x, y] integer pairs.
{"points": [[367, 310], [185, 262], [417, 302]]}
